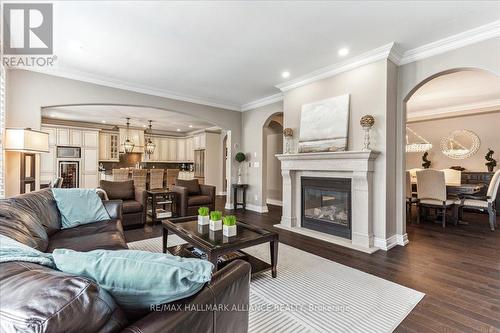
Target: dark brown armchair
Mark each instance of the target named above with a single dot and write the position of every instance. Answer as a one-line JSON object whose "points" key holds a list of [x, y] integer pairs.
{"points": [[191, 195], [134, 201]]}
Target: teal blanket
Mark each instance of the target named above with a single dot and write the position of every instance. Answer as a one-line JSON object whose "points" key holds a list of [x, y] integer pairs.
{"points": [[12, 250]]}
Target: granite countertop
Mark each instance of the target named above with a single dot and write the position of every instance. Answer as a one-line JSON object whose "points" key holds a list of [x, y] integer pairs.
{"points": [[110, 171]]}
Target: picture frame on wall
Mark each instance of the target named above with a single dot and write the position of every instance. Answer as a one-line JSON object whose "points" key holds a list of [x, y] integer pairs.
{"points": [[324, 125]]}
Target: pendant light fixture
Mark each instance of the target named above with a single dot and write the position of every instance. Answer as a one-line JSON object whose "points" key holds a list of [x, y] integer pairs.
{"points": [[128, 145], [150, 145], [419, 147]]}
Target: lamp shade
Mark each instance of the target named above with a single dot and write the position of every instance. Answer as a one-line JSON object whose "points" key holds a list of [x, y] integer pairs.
{"points": [[26, 140]]}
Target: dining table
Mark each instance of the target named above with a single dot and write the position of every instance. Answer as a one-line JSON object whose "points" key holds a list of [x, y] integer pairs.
{"points": [[456, 189]]}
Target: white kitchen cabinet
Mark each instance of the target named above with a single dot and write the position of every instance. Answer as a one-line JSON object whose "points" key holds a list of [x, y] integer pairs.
{"points": [[75, 137], [163, 152], [89, 168], [108, 147], [189, 150], [172, 149], [181, 150], [90, 139], [199, 141], [136, 136], [52, 135], [63, 138]]}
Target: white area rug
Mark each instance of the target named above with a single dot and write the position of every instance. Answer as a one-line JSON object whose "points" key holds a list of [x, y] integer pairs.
{"points": [[313, 294]]}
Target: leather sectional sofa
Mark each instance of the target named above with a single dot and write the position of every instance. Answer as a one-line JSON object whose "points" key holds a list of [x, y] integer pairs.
{"points": [[36, 298]]}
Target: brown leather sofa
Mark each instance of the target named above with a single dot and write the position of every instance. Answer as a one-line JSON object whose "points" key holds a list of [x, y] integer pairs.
{"points": [[36, 298], [191, 195], [134, 201]]}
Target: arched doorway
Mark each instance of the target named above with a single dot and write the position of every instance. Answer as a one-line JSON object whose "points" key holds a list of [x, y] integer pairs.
{"points": [[272, 144], [454, 99]]}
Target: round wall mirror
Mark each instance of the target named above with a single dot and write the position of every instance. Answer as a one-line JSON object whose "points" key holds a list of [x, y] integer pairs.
{"points": [[460, 144]]}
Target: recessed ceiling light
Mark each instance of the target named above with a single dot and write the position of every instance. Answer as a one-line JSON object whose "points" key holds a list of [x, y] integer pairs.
{"points": [[52, 116], [190, 126], [285, 74], [144, 125], [103, 121], [178, 130], [343, 51]]}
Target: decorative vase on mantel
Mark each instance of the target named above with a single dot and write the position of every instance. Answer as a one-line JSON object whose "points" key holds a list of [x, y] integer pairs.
{"points": [[367, 123], [288, 138]]}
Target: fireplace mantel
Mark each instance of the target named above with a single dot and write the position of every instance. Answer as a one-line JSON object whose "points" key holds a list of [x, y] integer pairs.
{"points": [[356, 165]]}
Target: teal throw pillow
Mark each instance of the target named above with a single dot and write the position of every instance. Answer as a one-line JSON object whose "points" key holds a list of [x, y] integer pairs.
{"points": [[79, 206], [137, 279]]}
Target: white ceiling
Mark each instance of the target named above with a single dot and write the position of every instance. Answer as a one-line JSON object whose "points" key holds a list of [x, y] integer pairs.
{"points": [[163, 120], [233, 52], [456, 93]]}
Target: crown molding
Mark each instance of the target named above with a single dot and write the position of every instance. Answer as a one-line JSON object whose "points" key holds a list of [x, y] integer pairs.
{"points": [[462, 39], [374, 55], [262, 102], [455, 111], [84, 77]]}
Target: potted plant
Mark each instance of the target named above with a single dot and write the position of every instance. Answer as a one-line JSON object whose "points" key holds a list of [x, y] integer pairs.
{"points": [[426, 163], [492, 163], [229, 227], [215, 220], [203, 218], [240, 158]]}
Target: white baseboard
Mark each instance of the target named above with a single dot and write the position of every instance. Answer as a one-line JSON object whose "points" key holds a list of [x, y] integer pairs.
{"points": [[228, 206], [385, 244], [222, 193], [257, 208], [402, 239], [274, 202]]}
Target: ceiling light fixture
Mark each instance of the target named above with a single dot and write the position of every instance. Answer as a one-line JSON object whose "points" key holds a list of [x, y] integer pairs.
{"points": [[150, 145], [103, 121], [178, 130], [343, 52], [128, 145], [190, 126], [285, 74]]}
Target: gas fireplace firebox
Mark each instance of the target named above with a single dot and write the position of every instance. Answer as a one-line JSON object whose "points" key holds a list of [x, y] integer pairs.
{"points": [[326, 205]]}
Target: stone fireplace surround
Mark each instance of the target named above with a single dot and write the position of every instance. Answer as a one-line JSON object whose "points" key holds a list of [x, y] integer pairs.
{"points": [[356, 165]]}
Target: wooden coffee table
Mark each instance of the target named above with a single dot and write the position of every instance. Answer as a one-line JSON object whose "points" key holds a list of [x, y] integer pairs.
{"points": [[214, 244]]}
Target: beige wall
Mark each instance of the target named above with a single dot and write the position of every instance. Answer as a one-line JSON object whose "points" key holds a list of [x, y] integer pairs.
{"points": [[29, 91], [485, 125], [369, 94], [252, 126]]}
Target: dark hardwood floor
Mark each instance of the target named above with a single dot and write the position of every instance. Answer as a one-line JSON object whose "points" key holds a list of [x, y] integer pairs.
{"points": [[457, 268]]}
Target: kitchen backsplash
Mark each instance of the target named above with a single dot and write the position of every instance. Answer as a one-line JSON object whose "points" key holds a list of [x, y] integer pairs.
{"points": [[130, 160]]}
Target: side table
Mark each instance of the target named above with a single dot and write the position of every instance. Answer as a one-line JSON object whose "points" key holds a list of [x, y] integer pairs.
{"points": [[162, 198], [243, 188]]}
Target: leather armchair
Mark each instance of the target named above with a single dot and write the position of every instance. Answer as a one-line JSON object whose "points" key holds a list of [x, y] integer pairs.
{"points": [[134, 201], [191, 196]]}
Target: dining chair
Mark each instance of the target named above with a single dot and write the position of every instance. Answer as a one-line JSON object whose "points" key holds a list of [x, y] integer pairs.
{"points": [[410, 199], [452, 177], [139, 177], [483, 203], [431, 193], [120, 175], [156, 178]]}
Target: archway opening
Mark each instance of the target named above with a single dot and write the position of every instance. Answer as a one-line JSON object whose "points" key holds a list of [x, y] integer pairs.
{"points": [[272, 142], [451, 125]]}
